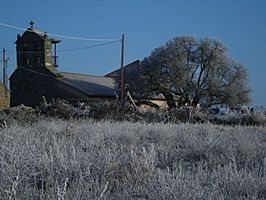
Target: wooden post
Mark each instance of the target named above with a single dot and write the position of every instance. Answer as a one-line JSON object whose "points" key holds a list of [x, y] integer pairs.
{"points": [[3, 60], [122, 68], [55, 63], [4, 68]]}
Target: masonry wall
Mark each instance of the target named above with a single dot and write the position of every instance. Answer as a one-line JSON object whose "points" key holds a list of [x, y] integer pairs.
{"points": [[28, 88], [30, 51], [4, 97]]}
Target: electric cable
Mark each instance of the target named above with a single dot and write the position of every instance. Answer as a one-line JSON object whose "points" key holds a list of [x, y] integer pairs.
{"points": [[60, 36], [88, 47], [67, 50], [32, 71]]}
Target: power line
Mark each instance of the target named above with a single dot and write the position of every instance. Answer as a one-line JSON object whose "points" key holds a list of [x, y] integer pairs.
{"points": [[35, 72], [60, 36], [89, 47], [67, 50], [81, 38], [13, 27], [26, 51]]}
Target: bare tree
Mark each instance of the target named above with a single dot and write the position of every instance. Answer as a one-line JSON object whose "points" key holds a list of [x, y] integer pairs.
{"points": [[190, 71]]}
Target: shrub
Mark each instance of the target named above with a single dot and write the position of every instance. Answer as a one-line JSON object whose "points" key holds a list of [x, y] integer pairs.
{"points": [[20, 114], [115, 111]]}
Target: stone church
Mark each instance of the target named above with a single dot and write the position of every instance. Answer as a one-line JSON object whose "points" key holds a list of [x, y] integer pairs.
{"points": [[37, 75]]}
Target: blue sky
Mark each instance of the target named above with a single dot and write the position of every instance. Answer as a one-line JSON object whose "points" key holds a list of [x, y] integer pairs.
{"points": [[147, 24]]}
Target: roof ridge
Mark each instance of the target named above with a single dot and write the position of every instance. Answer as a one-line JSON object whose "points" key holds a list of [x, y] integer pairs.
{"points": [[86, 75], [41, 34], [118, 69], [36, 31]]}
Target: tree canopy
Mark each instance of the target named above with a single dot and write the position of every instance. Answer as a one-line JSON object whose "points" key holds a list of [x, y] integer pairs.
{"points": [[190, 71]]}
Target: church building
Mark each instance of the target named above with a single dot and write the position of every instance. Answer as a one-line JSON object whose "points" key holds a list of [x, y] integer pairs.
{"points": [[37, 74]]}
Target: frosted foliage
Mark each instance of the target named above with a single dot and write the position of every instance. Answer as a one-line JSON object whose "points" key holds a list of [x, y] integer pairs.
{"points": [[85, 159], [188, 71]]}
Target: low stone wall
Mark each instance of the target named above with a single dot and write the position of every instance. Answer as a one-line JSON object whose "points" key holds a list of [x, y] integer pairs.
{"points": [[4, 97]]}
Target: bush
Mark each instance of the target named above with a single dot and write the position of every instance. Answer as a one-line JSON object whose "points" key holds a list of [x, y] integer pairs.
{"points": [[115, 111], [237, 118], [20, 114]]}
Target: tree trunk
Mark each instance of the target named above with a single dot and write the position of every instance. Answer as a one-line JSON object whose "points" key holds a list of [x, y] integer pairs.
{"points": [[169, 97], [195, 101]]}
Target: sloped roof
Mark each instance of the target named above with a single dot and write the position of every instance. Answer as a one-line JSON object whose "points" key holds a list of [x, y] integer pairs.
{"points": [[37, 31], [42, 35], [129, 68], [91, 85]]}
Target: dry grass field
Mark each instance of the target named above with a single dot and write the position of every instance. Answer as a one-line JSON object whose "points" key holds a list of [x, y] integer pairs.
{"points": [[87, 159]]}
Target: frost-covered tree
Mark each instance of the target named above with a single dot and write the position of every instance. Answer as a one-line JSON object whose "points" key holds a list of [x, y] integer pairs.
{"points": [[192, 72]]}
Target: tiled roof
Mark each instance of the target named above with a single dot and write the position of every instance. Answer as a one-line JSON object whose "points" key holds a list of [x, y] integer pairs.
{"points": [[91, 85]]}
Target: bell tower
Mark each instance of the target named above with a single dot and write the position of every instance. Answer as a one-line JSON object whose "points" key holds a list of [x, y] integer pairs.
{"points": [[34, 50]]}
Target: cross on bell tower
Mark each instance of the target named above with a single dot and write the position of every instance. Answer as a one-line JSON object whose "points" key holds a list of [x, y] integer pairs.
{"points": [[31, 24]]}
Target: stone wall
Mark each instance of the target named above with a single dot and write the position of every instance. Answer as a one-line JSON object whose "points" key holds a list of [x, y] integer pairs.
{"points": [[28, 88], [4, 97]]}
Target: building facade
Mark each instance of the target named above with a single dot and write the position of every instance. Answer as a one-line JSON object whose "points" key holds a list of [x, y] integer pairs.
{"points": [[37, 75]]}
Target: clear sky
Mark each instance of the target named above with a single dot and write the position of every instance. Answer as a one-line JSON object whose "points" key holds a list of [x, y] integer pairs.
{"points": [[147, 24]]}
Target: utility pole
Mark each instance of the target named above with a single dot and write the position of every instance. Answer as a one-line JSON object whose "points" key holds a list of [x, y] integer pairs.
{"points": [[4, 68], [122, 68]]}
